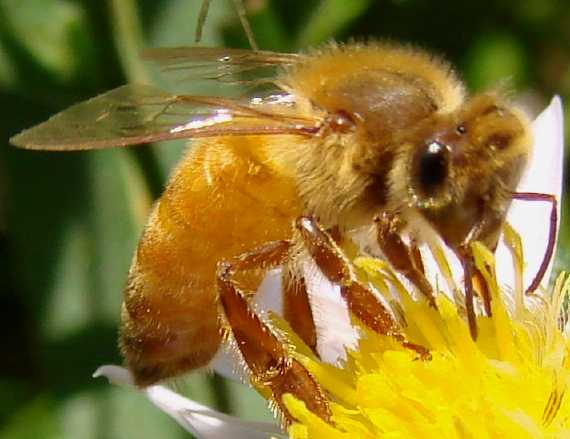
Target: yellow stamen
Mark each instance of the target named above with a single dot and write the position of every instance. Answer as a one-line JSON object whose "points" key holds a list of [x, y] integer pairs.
{"points": [[511, 382]]}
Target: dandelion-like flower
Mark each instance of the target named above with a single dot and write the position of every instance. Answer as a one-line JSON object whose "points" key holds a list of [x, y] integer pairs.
{"points": [[511, 381]]}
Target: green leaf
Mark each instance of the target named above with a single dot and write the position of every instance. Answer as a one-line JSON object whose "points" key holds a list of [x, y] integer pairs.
{"points": [[48, 30], [74, 227], [8, 73], [248, 404], [115, 412], [329, 18], [37, 419], [494, 59]]}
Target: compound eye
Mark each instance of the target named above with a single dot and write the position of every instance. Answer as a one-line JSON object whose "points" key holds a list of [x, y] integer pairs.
{"points": [[432, 167]]}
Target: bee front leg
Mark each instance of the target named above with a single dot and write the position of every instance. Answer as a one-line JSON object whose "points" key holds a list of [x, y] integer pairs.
{"points": [[267, 358], [404, 259], [487, 231], [359, 299], [469, 271]]}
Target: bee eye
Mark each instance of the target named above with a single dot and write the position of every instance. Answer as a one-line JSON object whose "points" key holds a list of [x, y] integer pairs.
{"points": [[432, 167]]}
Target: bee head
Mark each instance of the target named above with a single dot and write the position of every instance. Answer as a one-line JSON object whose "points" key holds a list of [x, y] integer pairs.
{"points": [[463, 165]]}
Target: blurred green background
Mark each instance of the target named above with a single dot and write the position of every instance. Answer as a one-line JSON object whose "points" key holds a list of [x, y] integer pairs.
{"points": [[69, 222]]}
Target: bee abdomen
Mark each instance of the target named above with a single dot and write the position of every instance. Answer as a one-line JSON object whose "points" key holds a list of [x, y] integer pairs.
{"points": [[222, 201]]}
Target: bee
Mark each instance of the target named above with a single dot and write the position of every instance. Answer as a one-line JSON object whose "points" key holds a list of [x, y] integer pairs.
{"points": [[342, 138]]}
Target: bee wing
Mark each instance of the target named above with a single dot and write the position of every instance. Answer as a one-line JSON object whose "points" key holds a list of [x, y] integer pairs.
{"points": [[227, 66], [136, 114]]}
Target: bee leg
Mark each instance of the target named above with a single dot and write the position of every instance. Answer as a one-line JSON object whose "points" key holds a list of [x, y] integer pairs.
{"points": [[267, 358], [549, 198], [416, 256], [487, 231], [468, 272], [400, 255], [297, 308], [359, 299]]}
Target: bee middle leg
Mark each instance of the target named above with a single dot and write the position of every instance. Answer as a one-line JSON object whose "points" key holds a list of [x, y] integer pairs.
{"points": [[359, 299], [265, 355], [405, 259]]}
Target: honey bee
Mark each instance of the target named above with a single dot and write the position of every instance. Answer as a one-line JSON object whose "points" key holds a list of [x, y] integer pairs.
{"points": [[349, 136]]}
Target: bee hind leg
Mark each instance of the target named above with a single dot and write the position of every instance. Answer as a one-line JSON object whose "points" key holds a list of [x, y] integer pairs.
{"points": [[359, 299], [267, 359]]}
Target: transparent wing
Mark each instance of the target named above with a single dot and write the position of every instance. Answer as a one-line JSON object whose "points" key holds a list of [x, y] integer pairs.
{"points": [[136, 114], [228, 66]]}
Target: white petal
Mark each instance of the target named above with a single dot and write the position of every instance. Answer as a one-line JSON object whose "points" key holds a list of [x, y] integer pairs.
{"points": [[268, 295], [335, 332], [228, 364], [543, 175], [201, 421], [434, 274], [115, 374]]}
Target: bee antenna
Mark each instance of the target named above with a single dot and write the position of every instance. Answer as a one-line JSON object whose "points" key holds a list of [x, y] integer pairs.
{"points": [[242, 18], [201, 20], [245, 23]]}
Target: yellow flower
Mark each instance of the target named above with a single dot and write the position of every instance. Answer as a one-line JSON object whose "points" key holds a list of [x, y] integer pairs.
{"points": [[509, 383]]}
